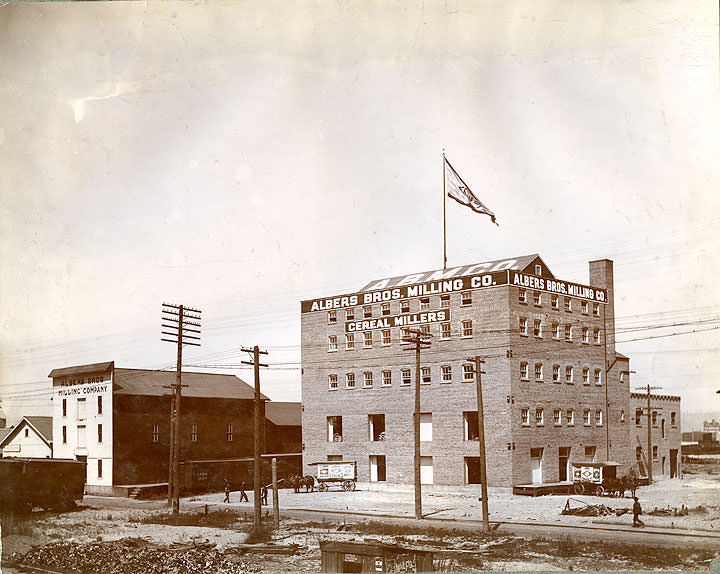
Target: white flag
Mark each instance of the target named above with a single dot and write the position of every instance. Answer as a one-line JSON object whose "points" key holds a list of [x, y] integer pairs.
{"points": [[460, 192]]}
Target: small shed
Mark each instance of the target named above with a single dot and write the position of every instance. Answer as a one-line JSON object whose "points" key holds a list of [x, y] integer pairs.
{"points": [[341, 557]]}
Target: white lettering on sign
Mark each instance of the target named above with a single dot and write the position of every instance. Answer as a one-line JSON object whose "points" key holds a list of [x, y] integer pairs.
{"points": [[336, 303], [82, 391], [398, 321]]}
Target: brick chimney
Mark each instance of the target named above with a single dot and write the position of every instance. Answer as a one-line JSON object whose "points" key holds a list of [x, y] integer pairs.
{"points": [[601, 275]]}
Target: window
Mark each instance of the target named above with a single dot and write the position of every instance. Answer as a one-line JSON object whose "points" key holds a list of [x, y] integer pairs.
{"points": [[385, 333], [444, 301], [228, 433], [155, 433], [538, 269], [569, 374], [556, 373], [557, 417], [568, 332], [425, 427], [523, 326], [193, 433], [470, 423], [64, 407], [367, 379], [522, 296], [404, 306], [596, 336], [332, 343], [424, 303], [468, 373], [673, 420], [444, 330], [386, 378], [332, 317], [525, 416], [622, 415], [537, 328], [99, 468], [537, 298], [590, 452], [425, 378], [585, 335], [570, 416], [555, 331], [598, 417], [334, 429], [584, 307], [385, 309], [466, 298], [378, 468], [524, 372], [425, 329], [27, 432], [638, 416], [64, 432], [367, 311], [596, 309], [586, 417], [376, 427], [335, 457], [586, 376], [332, 382], [467, 328], [554, 302], [597, 377], [99, 433], [654, 418], [446, 374], [568, 304], [100, 405], [349, 314], [622, 377], [350, 341], [538, 372], [405, 377], [350, 380], [367, 338], [81, 409], [655, 452], [539, 417]]}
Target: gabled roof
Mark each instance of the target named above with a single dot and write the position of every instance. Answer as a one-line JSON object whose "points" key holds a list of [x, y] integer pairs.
{"points": [[157, 383], [284, 414], [81, 369], [4, 433], [41, 425]]}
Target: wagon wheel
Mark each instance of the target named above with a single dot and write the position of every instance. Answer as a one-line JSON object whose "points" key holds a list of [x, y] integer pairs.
{"points": [[322, 487], [348, 485], [599, 490], [578, 488]]}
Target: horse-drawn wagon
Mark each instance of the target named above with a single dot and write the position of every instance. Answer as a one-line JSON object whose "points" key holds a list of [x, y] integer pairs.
{"points": [[343, 473], [595, 477]]}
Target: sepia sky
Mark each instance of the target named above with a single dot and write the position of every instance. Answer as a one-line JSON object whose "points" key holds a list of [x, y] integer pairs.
{"points": [[238, 157]]}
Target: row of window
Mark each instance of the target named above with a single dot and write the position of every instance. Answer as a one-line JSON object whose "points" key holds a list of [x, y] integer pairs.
{"points": [[155, 434], [569, 417], [555, 302], [82, 407], [640, 414], [567, 331], [368, 381], [81, 433], [466, 330], [569, 374]]}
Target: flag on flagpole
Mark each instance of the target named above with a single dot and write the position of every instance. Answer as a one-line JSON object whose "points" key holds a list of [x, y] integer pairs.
{"points": [[460, 192]]}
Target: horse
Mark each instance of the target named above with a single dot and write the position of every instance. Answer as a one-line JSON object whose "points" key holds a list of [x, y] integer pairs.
{"points": [[297, 482]]}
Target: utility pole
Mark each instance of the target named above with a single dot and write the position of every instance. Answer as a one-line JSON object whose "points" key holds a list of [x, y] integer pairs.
{"points": [[179, 318], [257, 464], [481, 438], [418, 340], [648, 388]]}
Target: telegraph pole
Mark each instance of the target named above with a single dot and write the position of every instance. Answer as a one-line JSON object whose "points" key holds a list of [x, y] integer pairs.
{"points": [[418, 340], [257, 464], [648, 388], [179, 318], [481, 438]]}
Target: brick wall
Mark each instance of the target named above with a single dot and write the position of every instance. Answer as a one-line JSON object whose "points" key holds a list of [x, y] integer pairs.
{"points": [[665, 435]]}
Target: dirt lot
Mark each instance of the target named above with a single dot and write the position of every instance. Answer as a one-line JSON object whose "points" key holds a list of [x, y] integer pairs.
{"points": [[223, 541]]}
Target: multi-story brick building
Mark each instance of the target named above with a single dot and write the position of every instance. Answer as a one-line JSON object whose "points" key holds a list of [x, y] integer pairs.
{"points": [[555, 389], [666, 436]]}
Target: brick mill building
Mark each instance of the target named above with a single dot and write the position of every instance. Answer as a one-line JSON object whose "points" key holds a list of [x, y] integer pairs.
{"points": [[118, 420], [548, 397], [666, 436]]}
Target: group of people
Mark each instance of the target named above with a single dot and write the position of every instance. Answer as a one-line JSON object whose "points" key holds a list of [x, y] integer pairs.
{"points": [[243, 494]]}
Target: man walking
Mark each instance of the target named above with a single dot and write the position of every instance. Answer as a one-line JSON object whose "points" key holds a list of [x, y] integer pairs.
{"points": [[243, 494], [637, 511], [227, 491], [264, 495]]}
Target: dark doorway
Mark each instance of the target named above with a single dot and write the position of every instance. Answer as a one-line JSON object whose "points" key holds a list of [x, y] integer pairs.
{"points": [[673, 463], [472, 469], [563, 460]]}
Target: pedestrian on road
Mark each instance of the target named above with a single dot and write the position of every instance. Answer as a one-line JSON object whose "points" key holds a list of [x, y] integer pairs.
{"points": [[227, 491], [264, 495], [637, 511], [243, 494]]}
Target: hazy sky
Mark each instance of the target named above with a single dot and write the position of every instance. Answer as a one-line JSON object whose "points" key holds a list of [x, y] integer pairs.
{"points": [[238, 157]]}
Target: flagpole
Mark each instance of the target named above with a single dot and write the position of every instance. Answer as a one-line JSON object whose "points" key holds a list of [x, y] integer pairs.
{"points": [[444, 224]]}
